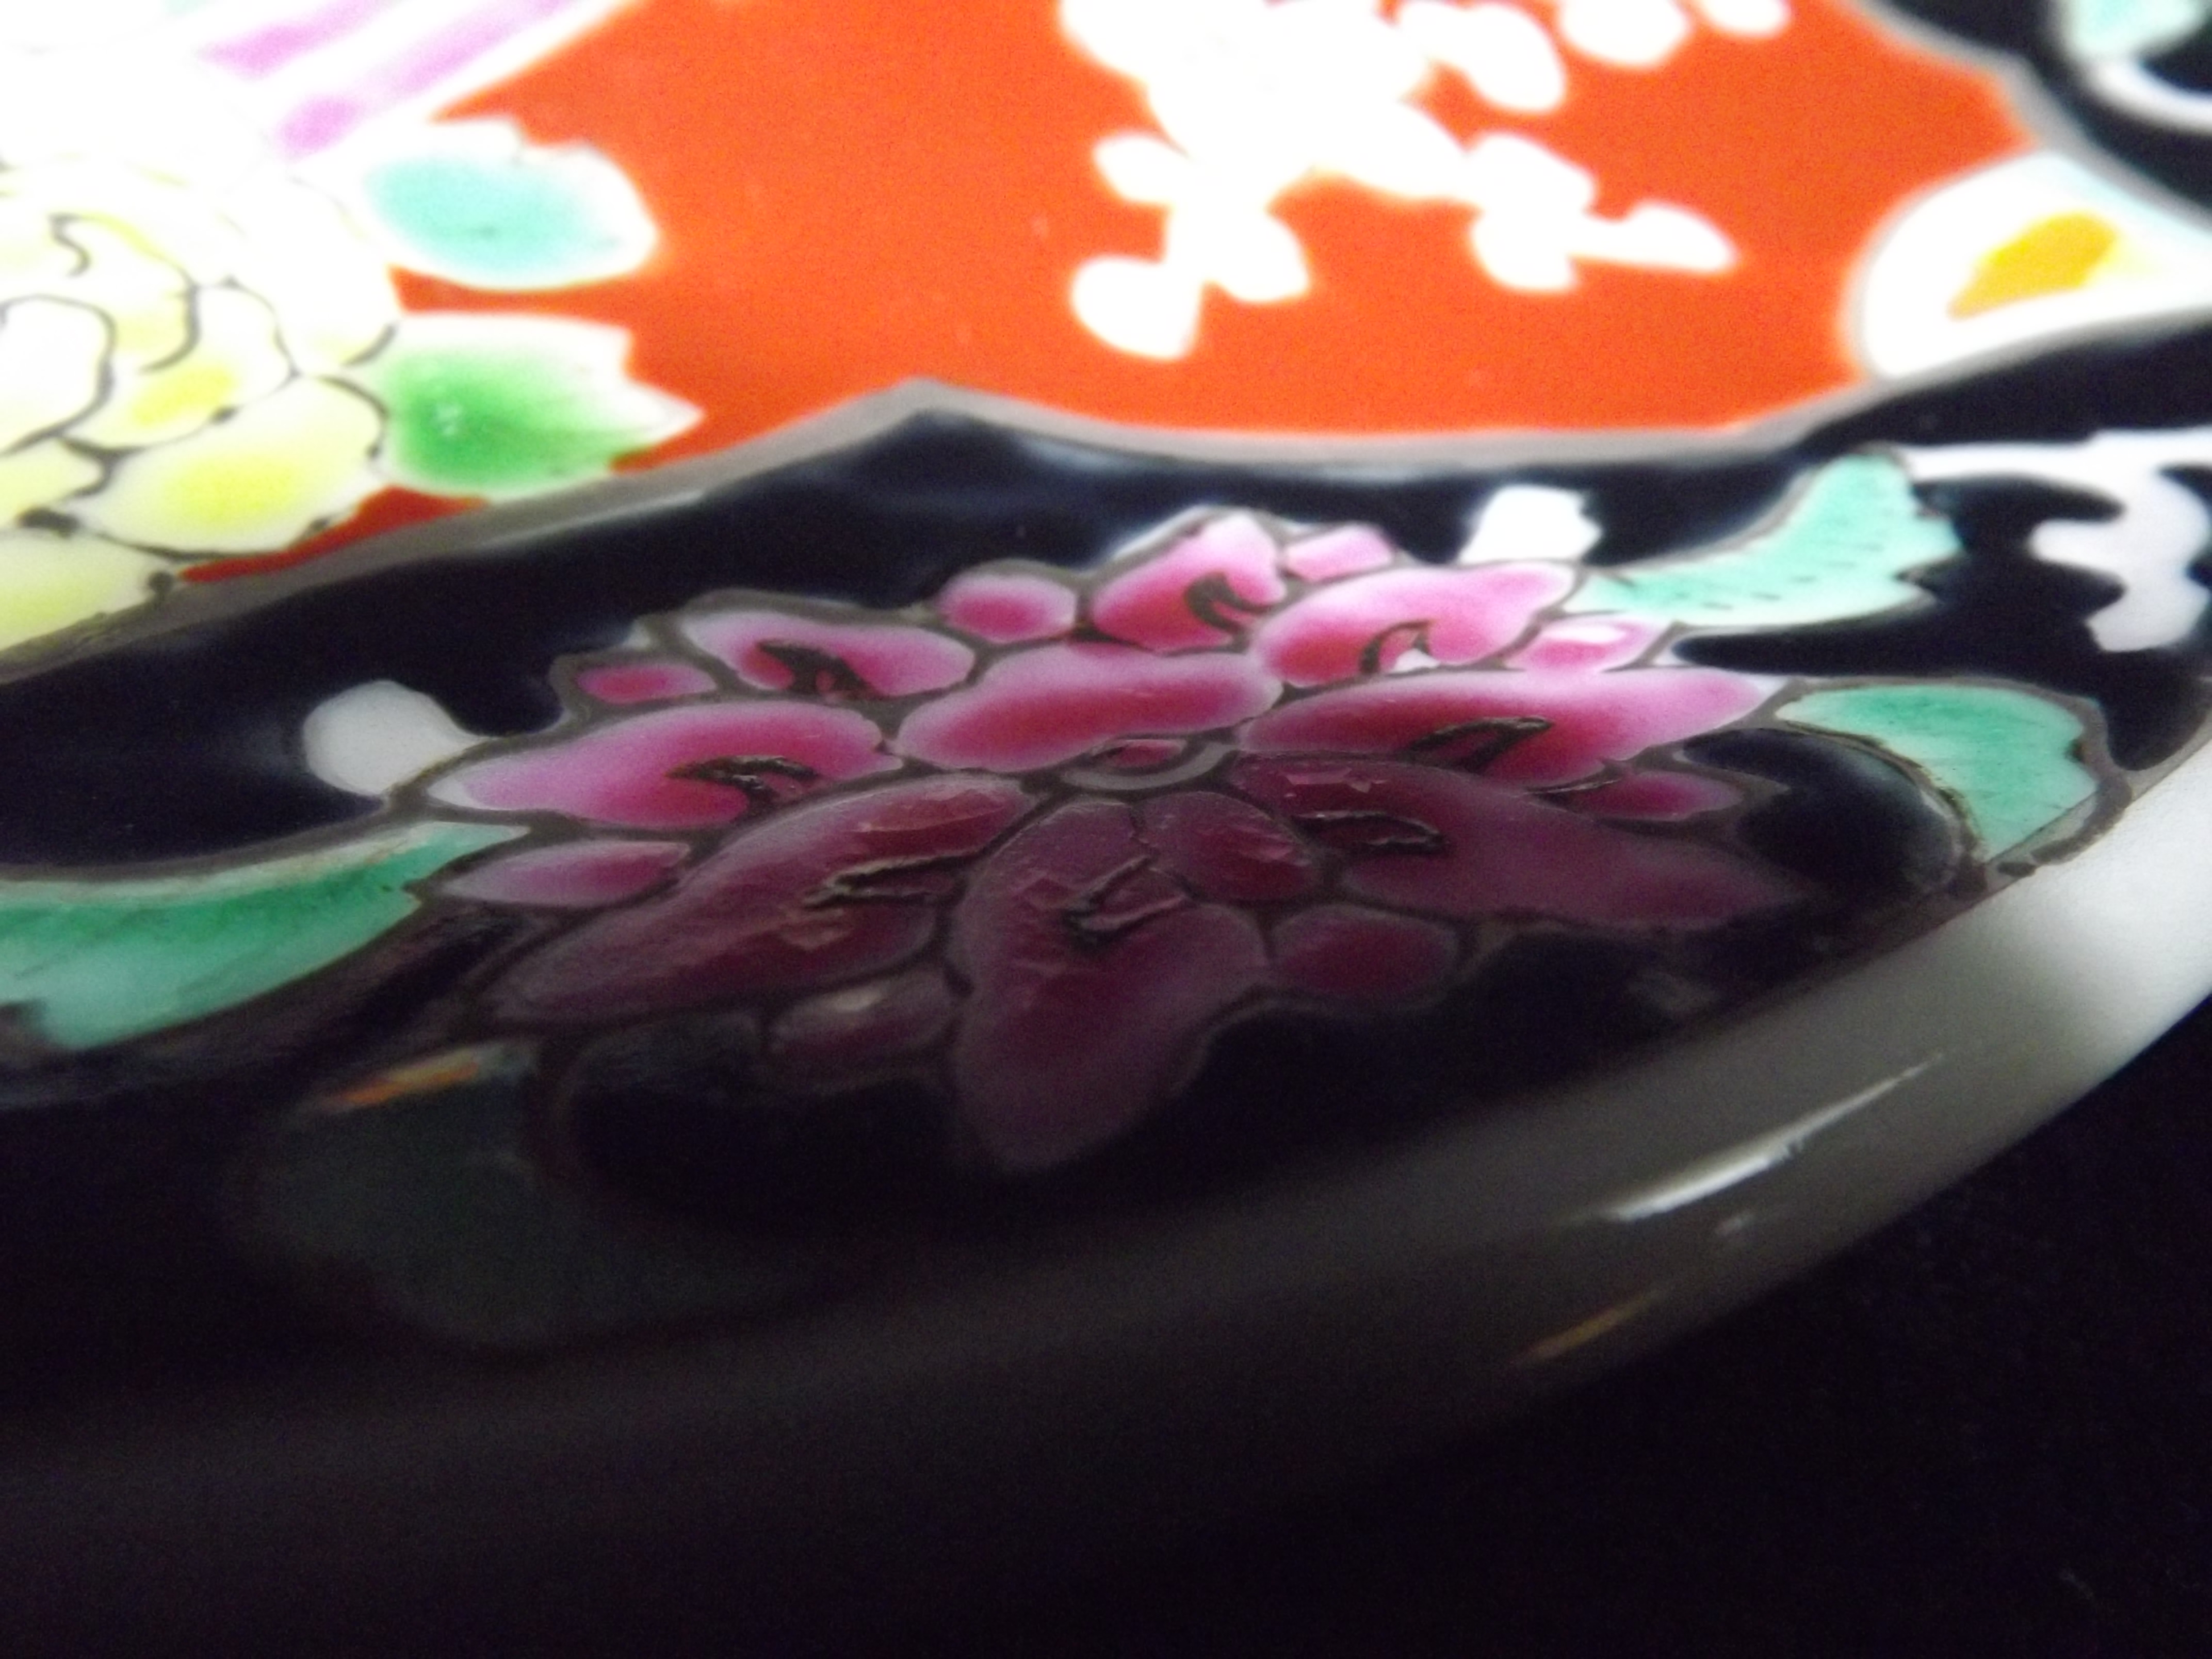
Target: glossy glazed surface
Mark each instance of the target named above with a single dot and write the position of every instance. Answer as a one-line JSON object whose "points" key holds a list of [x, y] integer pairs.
{"points": [[952, 818]]}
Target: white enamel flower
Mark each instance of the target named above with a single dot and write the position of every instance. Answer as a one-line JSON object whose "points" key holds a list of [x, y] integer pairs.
{"points": [[1252, 98]]}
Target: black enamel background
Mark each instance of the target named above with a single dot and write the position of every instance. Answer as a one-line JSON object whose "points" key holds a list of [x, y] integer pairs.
{"points": [[214, 713]]}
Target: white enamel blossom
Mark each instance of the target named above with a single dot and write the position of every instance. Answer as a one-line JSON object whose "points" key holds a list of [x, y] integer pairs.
{"points": [[1254, 97]]}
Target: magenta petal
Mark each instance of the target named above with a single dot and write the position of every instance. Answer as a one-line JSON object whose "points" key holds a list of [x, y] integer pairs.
{"points": [[779, 652], [577, 875], [1335, 554], [1204, 590], [827, 1038], [1663, 797], [1349, 952], [1227, 848], [1363, 625], [833, 890], [1424, 838], [1587, 719], [1138, 756], [1094, 980], [1042, 706], [626, 771], [1588, 645], [649, 679], [1008, 607]]}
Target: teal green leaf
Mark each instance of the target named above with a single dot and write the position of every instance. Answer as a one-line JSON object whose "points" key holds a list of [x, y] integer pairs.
{"points": [[2006, 757], [499, 406], [94, 962], [1841, 550], [2129, 29], [475, 203]]}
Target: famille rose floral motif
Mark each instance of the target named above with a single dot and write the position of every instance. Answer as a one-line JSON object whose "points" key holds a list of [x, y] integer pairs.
{"points": [[1039, 839], [203, 349]]}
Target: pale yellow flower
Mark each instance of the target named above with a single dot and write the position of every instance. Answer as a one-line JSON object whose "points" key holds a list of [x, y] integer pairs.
{"points": [[201, 352], [170, 356]]}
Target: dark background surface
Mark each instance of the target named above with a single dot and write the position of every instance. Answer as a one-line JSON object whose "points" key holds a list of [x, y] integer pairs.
{"points": [[1987, 1429]]}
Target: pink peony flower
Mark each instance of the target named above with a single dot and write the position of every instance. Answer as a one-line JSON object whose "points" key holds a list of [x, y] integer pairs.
{"points": [[675, 769], [1237, 770]]}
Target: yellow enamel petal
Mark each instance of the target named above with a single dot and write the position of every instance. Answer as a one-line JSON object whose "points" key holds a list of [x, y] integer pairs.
{"points": [[41, 475], [48, 581], [234, 358], [257, 481], [50, 352], [146, 298], [2056, 255]]}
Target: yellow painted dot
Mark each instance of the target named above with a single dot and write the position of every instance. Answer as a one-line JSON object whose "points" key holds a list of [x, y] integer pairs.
{"points": [[2058, 255]]}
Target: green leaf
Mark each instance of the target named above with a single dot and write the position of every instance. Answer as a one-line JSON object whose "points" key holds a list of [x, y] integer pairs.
{"points": [[499, 406], [2006, 757], [1840, 550], [98, 961], [475, 203]]}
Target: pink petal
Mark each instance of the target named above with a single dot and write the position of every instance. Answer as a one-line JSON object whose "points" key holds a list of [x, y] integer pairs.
{"points": [[1046, 706], [1426, 838], [1586, 719], [1204, 590], [1664, 796], [1349, 952], [1363, 625], [577, 875], [830, 891], [1139, 756], [779, 652], [1008, 607], [830, 1037], [1227, 848], [1337, 553], [1094, 980], [632, 771], [644, 680], [1588, 644]]}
